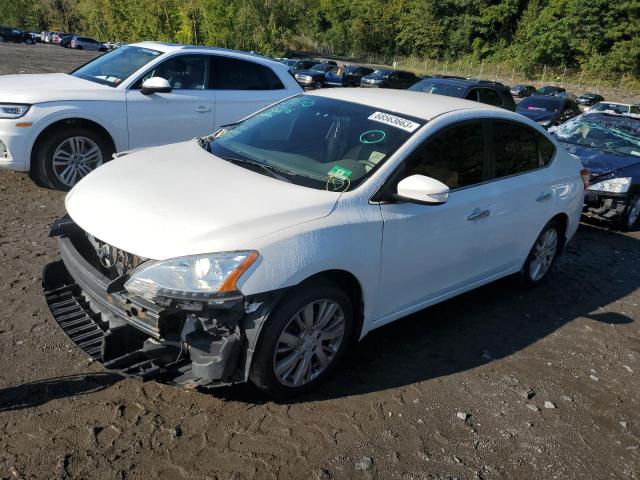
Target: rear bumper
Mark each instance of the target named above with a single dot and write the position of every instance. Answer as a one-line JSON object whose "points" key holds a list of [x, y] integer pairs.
{"points": [[606, 206], [135, 337]]}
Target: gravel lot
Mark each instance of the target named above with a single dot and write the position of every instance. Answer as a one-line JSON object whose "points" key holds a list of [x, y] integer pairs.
{"points": [[500, 383]]}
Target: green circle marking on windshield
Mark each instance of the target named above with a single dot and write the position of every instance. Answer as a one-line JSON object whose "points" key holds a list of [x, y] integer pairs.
{"points": [[372, 136]]}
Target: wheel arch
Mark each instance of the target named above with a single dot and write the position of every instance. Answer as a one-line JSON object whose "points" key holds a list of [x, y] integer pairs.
{"points": [[340, 277], [60, 124]]}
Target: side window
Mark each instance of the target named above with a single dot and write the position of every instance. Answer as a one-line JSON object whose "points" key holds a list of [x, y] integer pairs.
{"points": [[183, 72], [472, 95], [454, 156], [235, 74], [516, 149], [491, 97], [547, 149], [635, 110]]}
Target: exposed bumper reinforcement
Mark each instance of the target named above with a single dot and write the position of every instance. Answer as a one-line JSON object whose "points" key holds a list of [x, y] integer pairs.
{"points": [[124, 349]]}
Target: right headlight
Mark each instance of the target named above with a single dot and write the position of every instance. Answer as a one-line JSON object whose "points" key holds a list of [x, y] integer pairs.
{"points": [[613, 185], [10, 110], [195, 277]]}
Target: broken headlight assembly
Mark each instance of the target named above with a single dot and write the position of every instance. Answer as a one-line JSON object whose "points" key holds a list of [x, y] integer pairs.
{"points": [[193, 278], [613, 185]]}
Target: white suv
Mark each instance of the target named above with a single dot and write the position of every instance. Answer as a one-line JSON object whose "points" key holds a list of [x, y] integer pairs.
{"points": [[263, 251], [60, 127]]}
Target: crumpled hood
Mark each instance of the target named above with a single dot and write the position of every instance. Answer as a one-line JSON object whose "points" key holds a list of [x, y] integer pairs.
{"points": [[600, 162], [50, 87], [537, 115], [179, 199]]}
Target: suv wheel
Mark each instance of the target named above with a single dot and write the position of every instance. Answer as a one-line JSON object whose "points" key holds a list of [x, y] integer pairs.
{"points": [[543, 254], [66, 156], [303, 340]]}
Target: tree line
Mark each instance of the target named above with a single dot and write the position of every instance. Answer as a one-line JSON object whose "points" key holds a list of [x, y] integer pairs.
{"points": [[598, 34]]}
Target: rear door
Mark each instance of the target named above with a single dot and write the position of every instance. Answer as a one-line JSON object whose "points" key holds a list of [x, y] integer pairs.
{"points": [[241, 87], [184, 113], [522, 190]]}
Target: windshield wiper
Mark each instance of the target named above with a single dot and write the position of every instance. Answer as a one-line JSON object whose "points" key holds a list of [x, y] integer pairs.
{"points": [[271, 170]]}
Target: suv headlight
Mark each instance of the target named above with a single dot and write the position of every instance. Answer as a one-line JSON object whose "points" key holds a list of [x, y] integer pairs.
{"points": [[544, 123], [8, 110], [613, 185], [196, 277]]}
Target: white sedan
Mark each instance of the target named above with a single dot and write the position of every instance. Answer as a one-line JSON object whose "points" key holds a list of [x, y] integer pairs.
{"points": [[60, 127], [264, 251]]}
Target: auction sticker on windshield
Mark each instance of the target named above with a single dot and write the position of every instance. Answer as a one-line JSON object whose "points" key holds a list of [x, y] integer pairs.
{"points": [[398, 122]]}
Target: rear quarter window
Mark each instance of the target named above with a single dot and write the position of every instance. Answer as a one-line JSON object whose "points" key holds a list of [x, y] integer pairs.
{"points": [[236, 74]]}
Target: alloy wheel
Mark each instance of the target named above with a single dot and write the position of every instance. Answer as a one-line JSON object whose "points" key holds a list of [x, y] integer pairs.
{"points": [[309, 343], [543, 254], [74, 158]]}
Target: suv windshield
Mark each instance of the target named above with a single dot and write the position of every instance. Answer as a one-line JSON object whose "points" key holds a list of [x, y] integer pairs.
{"points": [[438, 87], [316, 142], [116, 66], [607, 132]]}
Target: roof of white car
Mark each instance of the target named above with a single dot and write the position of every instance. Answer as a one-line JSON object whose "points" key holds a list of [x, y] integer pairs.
{"points": [[167, 47], [417, 104]]}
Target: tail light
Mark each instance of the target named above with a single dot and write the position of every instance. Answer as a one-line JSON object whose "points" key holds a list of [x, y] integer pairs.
{"points": [[585, 174]]}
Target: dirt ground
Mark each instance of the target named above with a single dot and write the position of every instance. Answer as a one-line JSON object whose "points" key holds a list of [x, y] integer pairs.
{"points": [[500, 383]]}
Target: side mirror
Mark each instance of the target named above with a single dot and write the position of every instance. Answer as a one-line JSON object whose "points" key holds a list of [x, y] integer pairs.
{"points": [[423, 190], [155, 85]]}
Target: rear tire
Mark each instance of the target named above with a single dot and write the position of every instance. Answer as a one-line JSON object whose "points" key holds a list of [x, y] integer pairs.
{"points": [[76, 150], [543, 254], [302, 340]]}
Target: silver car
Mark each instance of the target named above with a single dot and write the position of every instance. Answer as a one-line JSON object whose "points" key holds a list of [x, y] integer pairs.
{"points": [[84, 43]]}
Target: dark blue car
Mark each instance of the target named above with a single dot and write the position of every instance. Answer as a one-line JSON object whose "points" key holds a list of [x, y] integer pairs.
{"points": [[609, 147], [347, 76], [548, 110]]}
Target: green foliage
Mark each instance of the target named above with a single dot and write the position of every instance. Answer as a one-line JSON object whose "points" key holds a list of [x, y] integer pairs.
{"points": [[600, 35]]}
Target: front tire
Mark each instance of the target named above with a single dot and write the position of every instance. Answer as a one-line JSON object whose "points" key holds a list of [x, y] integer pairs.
{"points": [[68, 155], [303, 340], [543, 254], [632, 214]]}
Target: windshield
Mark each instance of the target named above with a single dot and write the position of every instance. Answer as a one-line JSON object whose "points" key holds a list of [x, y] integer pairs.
{"points": [[548, 90], [615, 134], [316, 142], [614, 107], [549, 104], [381, 74], [438, 87], [116, 66], [321, 67]]}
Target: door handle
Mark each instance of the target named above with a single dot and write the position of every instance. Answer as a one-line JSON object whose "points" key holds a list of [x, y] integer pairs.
{"points": [[543, 196], [477, 214], [203, 109]]}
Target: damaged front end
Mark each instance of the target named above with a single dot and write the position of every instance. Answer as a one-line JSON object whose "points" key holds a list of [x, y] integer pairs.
{"points": [[183, 342]]}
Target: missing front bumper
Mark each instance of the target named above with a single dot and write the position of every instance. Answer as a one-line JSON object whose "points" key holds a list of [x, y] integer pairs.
{"points": [[611, 208], [133, 336]]}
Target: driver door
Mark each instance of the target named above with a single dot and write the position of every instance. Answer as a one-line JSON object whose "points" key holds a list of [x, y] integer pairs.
{"points": [[184, 113]]}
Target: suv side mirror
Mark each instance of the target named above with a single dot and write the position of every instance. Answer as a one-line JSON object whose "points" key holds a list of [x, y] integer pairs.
{"points": [[155, 85], [423, 190]]}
